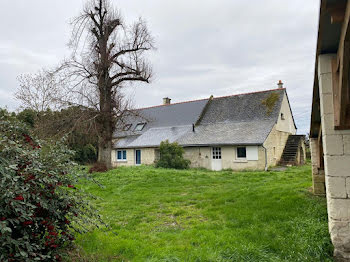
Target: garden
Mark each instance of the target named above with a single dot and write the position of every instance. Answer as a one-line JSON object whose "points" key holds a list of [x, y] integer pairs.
{"points": [[156, 214]]}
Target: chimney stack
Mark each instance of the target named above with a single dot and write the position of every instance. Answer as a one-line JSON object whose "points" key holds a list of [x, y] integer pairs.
{"points": [[280, 84], [166, 101]]}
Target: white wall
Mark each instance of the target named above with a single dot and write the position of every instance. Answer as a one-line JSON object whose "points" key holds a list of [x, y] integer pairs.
{"points": [[336, 146], [286, 125]]}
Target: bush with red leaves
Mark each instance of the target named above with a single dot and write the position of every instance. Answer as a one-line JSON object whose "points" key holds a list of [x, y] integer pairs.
{"points": [[98, 167], [39, 202]]}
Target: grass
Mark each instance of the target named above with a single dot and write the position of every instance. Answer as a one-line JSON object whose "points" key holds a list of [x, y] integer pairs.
{"points": [[199, 215]]}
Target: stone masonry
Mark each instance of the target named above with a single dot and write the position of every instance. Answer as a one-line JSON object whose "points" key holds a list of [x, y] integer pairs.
{"points": [[336, 147], [318, 176]]}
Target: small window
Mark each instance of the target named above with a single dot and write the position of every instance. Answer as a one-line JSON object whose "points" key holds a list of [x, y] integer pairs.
{"points": [[282, 116], [216, 152], [241, 152], [121, 155], [126, 127], [139, 126]]}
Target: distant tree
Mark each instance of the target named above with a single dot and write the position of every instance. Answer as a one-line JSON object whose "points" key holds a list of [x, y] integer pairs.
{"points": [[38, 91], [72, 123], [171, 156]]}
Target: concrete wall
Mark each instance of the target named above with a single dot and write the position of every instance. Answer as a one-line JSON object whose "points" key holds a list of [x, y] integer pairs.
{"points": [[336, 147], [275, 143]]}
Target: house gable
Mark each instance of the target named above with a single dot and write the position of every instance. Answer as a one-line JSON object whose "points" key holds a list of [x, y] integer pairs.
{"points": [[285, 122]]}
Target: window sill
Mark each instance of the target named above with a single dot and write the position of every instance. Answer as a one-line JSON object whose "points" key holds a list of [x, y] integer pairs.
{"points": [[121, 161]]}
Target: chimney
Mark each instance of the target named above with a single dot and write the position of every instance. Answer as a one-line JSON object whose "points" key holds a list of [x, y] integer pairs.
{"points": [[280, 84], [166, 101]]}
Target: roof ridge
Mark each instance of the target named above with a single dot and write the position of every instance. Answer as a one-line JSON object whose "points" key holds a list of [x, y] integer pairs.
{"points": [[196, 100], [167, 127], [234, 122], [250, 93], [183, 102]]}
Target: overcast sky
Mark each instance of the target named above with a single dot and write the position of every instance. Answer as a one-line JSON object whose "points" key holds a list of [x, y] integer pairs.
{"points": [[204, 47]]}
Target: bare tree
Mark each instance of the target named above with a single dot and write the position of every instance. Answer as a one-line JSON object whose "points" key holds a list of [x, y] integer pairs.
{"points": [[107, 55], [39, 91]]}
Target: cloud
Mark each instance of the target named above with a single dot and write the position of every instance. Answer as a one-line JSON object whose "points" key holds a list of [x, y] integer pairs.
{"points": [[203, 47]]}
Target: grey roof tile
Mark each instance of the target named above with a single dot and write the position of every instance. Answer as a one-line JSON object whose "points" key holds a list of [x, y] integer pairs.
{"points": [[228, 133], [179, 114], [238, 119], [245, 107], [152, 137]]}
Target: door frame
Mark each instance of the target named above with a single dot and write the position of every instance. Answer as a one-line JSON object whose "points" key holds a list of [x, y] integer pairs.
{"points": [[136, 164], [217, 160]]}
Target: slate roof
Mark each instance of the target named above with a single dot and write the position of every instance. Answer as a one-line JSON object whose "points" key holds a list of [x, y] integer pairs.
{"points": [[233, 120], [173, 115], [228, 133]]}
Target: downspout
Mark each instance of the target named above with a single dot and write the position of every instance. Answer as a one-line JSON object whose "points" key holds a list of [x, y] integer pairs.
{"points": [[265, 157]]}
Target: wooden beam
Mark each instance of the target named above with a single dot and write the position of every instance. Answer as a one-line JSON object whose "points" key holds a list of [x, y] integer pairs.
{"points": [[344, 36], [337, 12], [342, 67]]}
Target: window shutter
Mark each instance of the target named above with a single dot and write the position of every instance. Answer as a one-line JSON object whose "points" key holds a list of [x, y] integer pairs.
{"points": [[252, 153]]}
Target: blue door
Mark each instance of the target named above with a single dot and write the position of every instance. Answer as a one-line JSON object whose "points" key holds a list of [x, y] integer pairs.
{"points": [[138, 156]]}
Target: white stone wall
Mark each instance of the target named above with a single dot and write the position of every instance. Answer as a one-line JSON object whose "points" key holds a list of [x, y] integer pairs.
{"points": [[275, 143], [201, 157], [148, 156], [130, 158], [287, 124], [318, 177], [229, 159], [337, 164]]}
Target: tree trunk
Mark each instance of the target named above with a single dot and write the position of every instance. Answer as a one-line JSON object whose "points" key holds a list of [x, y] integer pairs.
{"points": [[106, 123], [106, 134], [105, 152]]}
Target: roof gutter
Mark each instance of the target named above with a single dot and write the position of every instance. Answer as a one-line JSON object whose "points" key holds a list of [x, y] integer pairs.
{"points": [[265, 157]]}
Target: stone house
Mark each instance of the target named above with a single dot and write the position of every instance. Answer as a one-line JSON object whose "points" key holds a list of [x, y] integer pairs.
{"points": [[246, 131], [330, 121]]}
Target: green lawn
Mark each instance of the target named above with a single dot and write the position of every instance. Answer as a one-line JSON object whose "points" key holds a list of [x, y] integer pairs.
{"points": [[199, 215]]}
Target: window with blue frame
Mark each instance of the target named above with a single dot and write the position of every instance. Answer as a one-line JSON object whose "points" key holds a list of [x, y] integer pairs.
{"points": [[121, 155]]}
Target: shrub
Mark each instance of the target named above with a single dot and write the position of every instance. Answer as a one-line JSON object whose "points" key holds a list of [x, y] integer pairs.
{"points": [[40, 208], [171, 156], [85, 154], [98, 167]]}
